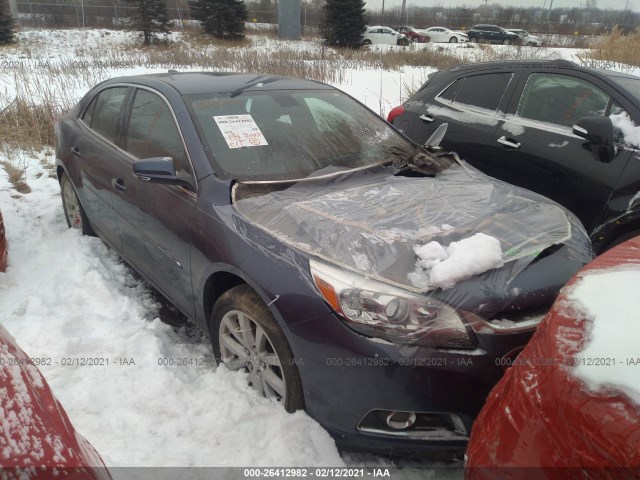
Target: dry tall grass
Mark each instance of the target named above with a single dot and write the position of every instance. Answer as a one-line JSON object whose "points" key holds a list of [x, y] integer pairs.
{"points": [[44, 90], [617, 51]]}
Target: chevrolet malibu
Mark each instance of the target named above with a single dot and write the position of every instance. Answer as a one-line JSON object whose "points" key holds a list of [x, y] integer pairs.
{"points": [[349, 272]]}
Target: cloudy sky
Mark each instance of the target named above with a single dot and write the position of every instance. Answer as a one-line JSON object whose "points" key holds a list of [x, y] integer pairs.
{"points": [[604, 4]]}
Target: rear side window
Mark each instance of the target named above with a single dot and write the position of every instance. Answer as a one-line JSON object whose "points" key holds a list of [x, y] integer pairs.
{"points": [[560, 99], [450, 93], [152, 131], [104, 115], [480, 91]]}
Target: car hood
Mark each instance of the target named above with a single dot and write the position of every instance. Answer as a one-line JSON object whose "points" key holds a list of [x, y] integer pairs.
{"points": [[371, 222]]}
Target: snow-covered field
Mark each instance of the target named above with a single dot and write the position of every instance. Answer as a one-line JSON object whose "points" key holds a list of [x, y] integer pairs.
{"points": [[66, 297]]}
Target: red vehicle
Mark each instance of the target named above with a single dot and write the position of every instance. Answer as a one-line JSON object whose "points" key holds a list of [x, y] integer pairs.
{"points": [[541, 421], [36, 436], [413, 35], [3, 247]]}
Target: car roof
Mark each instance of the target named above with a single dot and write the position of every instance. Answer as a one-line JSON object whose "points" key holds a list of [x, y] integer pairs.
{"points": [[502, 64], [559, 63], [193, 83], [379, 26]]}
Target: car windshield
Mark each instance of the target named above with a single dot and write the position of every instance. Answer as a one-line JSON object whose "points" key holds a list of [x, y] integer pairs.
{"points": [[284, 135]]}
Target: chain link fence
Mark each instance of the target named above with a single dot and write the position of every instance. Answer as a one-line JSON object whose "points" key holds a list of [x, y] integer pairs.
{"points": [[117, 14]]}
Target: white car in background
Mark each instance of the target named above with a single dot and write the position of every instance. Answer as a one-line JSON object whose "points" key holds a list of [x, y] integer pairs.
{"points": [[384, 36], [444, 35], [526, 38]]}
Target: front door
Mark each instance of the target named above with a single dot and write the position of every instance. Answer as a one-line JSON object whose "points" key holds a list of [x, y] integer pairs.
{"points": [[535, 148], [155, 220]]}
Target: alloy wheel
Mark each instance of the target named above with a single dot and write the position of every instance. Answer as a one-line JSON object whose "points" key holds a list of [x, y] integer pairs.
{"points": [[245, 345], [71, 205]]}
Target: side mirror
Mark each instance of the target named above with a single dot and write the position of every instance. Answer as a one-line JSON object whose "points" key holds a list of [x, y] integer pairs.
{"points": [[158, 170], [597, 130]]}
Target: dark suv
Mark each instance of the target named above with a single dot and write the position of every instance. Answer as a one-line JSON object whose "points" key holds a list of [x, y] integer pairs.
{"points": [[515, 121], [492, 34]]}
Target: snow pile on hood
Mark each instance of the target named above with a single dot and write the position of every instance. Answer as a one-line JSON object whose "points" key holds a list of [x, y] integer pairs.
{"points": [[460, 260], [630, 131], [615, 330]]}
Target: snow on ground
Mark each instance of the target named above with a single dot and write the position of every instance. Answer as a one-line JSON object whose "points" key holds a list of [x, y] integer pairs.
{"points": [[610, 358], [39, 52], [67, 297]]}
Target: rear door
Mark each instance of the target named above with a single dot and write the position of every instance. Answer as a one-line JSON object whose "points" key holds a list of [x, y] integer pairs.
{"points": [[155, 220], [534, 146], [492, 34], [437, 35], [472, 106], [99, 158], [376, 35], [389, 37]]}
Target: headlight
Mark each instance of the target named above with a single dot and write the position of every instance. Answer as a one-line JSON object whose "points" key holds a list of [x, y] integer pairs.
{"points": [[376, 309]]}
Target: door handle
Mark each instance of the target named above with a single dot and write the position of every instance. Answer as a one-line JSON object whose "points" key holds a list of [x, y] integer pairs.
{"points": [[118, 184], [509, 143], [426, 118], [75, 151]]}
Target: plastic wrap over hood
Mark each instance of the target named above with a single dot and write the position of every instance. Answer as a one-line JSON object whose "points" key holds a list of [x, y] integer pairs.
{"points": [[371, 221]]}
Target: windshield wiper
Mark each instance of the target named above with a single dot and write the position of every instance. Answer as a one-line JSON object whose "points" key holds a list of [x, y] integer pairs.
{"points": [[421, 162], [256, 81]]}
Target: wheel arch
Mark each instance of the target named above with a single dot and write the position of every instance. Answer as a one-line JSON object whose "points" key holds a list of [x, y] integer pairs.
{"points": [[610, 234], [216, 284], [59, 171]]}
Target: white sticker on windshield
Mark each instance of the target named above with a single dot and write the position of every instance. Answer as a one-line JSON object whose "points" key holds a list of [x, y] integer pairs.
{"points": [[240, 131]]}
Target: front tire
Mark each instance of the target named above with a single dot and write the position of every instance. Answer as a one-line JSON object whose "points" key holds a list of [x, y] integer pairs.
{"points": [[506, 41], [473, 40], [245, 336], [73, 211], [453, 40]]}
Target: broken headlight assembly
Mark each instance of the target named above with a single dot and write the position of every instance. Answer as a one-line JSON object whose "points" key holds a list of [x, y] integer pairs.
{"points": [[379, 310]]}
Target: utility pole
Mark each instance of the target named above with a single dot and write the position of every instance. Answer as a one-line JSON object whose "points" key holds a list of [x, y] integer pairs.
{"points": [[403, 11], [13, 9], [289, 19], [383, 7]]}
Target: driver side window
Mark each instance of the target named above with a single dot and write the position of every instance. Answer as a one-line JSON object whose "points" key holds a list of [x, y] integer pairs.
{"points": [[560, 99], [152, 131]]}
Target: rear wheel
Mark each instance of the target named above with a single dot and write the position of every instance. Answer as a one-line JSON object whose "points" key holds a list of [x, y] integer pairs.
{"points": [[366, 42], [473, 40], [506, 41], [453, 40], [73, 211], [246, 337]]}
